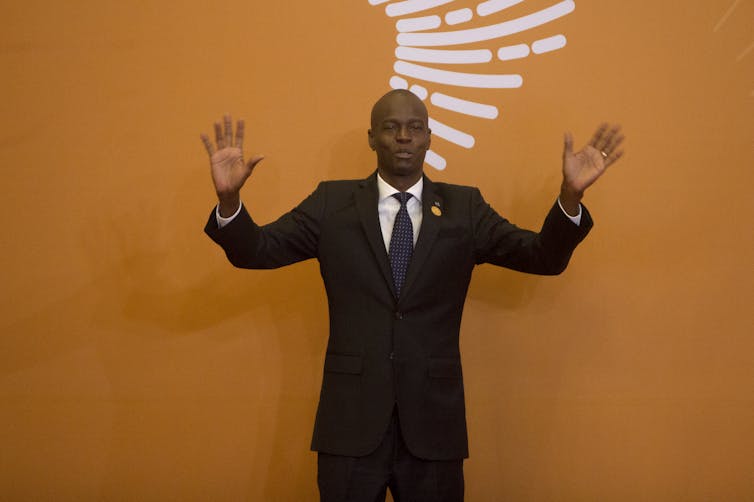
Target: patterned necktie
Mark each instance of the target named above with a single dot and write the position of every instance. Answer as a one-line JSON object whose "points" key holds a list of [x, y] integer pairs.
{"points": [[401, 242]]}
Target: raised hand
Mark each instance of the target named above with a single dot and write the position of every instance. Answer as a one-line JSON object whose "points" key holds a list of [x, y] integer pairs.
{"points": [[582, 168], [229, 171]]}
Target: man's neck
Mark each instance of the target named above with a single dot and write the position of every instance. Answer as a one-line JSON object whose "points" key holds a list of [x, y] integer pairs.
{"points": [[400, 183]]}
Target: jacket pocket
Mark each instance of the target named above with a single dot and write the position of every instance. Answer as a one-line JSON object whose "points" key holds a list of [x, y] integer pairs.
{"points": [[342, 363], [445, 367]]}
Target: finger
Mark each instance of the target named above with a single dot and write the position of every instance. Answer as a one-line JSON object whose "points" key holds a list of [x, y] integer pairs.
{"points": [[219, 139], [615, 142], [207, 144], [597, 138], [239, 135], [228, 130], [609, 138], [567, 144], [252, 163], [614, 158]]}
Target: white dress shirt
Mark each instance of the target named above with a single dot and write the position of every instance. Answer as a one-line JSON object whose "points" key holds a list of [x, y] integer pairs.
{"points": [[388, 206]]}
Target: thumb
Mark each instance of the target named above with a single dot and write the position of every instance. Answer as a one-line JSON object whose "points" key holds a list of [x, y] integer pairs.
{"points": [[567, 144], [252, 162]]}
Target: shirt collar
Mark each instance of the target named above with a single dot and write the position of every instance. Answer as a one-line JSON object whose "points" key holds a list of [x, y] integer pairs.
{"points": [[385, 190]]}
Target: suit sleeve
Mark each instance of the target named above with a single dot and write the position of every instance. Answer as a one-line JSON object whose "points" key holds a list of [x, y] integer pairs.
{"points": [[547, 252], [291, 238]]}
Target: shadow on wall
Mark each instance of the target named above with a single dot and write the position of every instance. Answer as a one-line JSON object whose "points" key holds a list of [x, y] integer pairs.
{"points": [[155, 348], [137, 290]]}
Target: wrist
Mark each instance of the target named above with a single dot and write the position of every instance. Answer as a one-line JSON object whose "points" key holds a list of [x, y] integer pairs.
{"points": [[228, 203], [570, 199]]}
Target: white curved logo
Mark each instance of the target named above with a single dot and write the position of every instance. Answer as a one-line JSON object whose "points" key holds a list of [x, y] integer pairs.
{"points": [[416, 56]]}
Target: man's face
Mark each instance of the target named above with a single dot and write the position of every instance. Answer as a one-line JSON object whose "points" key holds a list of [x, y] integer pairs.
{"points": [[400, 136]]}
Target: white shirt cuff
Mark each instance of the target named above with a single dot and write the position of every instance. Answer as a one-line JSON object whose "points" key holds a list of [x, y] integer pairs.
{"points": [[576, 219], [221, 222]]}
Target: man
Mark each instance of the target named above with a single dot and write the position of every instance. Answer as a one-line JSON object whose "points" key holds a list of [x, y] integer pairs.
{"points": [[396, 252]]}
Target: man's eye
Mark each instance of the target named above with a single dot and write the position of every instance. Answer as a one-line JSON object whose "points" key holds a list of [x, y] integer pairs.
{"points": [[417, 127]]}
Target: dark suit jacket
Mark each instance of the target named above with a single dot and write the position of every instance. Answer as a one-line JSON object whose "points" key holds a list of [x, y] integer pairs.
{"points": [[385, 351]]}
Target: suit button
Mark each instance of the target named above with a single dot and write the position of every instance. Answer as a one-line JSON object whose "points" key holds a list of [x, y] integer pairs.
{"points": [[391, 356], [399, 315]]}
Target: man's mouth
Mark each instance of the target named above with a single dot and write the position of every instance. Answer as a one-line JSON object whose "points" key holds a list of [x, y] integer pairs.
{"points": [[404, 155]]}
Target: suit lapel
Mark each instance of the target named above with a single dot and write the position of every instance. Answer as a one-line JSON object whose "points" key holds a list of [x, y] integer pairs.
{"points": [[366, 205], [427, 233]]}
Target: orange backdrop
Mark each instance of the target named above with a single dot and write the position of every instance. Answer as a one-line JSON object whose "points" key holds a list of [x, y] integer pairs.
{"points": [[137, 364]]}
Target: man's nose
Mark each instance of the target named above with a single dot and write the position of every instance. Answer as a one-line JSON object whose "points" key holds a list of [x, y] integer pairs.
{"points": [[403, 135]]}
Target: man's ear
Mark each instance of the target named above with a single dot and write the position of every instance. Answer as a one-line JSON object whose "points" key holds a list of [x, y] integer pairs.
{"points": [[429, 139], [370, 136]]}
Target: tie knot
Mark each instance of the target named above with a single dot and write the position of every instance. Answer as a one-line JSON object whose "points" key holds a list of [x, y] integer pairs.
{"points": [[402, 197]]}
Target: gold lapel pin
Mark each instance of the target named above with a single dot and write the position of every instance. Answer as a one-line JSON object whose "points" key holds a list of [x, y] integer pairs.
{"points": [[436, 209]]}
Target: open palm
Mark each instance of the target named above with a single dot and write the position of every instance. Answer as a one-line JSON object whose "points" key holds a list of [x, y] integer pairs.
{"points": [[582, 168], [229, 171]]}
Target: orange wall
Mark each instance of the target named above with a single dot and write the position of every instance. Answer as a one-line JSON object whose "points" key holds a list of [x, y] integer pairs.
{"points": [[137, 364]]}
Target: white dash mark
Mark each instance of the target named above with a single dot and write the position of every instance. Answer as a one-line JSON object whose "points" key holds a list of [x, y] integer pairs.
{"points": [[397, 82], [745, 52], [726, 16], [505, 28], [445, 132], [492, 6], [411, 6], [420, 91], [513, 52], [548, 44], [457, 78], [458, 16], [377, 2], [463, 106], [435, 160], [418, 23], [443, 56]]}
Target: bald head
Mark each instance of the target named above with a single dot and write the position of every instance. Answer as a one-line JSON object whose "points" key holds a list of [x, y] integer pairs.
{"points": [[400, 137], [397, 98]]}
